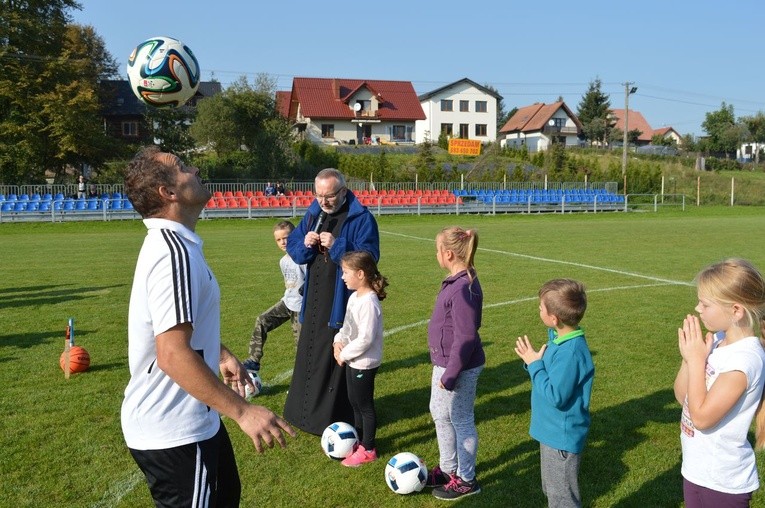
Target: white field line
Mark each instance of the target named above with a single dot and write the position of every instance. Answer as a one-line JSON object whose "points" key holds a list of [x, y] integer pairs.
{"points": [[118, 490], [557, 261], [122, 487]]}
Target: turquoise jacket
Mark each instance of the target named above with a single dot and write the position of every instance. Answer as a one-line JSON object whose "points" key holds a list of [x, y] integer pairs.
{"points": [[561, 385]]}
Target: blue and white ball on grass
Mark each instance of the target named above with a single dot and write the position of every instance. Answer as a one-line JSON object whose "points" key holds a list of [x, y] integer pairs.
{"points": [[163, 72], [339, 440], [249, 393], [406, 473]]}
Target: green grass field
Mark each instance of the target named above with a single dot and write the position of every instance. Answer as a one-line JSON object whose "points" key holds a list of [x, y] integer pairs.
{"points": [[61, 440]]}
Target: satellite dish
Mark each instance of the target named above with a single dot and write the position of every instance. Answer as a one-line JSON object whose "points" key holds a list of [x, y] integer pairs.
{"points": [[357, 107], [551, 122]]}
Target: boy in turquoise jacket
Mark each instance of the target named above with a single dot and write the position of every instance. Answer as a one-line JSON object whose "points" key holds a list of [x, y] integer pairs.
{"points": [[561, 374]]}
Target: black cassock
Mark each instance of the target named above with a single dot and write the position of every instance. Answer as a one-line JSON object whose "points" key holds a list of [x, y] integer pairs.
{"points": [[318, 394]]}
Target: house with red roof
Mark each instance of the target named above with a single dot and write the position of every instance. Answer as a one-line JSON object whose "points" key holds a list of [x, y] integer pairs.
{"points": [[463, 109], [539, 125], [352, 111], [635, 121], [669, 133]]}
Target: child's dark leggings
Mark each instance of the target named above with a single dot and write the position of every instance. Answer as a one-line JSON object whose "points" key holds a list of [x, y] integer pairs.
{"points": [[361, 393]]}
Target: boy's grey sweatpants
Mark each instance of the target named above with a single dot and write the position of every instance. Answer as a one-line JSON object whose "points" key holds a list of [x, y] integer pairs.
{"points": [[560, 477]]}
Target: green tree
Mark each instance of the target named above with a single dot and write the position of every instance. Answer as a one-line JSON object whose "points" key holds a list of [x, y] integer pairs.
{"points": [[170, 126], [593, 111], [722, 132], [426, 162], [49, 103], [243, 118], [659, 140]]}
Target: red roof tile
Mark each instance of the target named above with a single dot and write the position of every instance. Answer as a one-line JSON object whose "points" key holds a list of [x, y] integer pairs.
{"points": [[636, 122], [330, 98], [283, 103], [534, 117]]}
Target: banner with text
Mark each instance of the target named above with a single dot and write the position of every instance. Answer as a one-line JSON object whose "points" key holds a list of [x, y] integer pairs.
{"points": [[464, 147]]}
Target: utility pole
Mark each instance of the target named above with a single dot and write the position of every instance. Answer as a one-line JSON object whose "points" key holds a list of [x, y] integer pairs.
{"points": [[628, 89]]}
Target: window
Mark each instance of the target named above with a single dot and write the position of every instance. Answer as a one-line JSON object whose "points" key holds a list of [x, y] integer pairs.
{"points": [[559, 123], [464, 131], [464, 105], [401, 132], [480, 129], [446, 128], [480, 106], [328, 130], [446, 105], [130, 129]]}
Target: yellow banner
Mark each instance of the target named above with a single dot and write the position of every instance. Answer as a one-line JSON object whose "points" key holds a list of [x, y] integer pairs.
{"points": [[464, 147]]}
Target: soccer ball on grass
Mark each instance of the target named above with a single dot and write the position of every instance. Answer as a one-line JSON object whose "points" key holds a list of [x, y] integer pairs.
{"points": [[339, 440], [406, 473]]}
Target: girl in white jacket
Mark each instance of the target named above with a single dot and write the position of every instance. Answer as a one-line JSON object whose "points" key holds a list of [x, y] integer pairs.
{"points": [[359, 344]]}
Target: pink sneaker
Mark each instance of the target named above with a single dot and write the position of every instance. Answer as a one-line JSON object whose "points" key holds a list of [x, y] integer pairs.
{"points": [[359, 457]]}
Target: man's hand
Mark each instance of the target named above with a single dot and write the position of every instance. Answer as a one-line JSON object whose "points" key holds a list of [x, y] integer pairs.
{"points": [[264, 427]]}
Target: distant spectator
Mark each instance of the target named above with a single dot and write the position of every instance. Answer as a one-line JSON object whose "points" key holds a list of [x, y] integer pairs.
{"points": [[280, 190], [81, 187], [93, 192], [270, 190]]}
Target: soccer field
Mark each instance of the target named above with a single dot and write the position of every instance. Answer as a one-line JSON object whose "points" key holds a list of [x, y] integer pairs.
{"points": [[61, 440]]}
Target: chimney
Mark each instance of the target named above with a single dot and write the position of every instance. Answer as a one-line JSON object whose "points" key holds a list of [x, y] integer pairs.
{"points": [[335, 88]]}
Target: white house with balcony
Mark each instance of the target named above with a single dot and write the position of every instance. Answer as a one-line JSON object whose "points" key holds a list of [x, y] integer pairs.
{"points": [[463, 109], [539, 125]]}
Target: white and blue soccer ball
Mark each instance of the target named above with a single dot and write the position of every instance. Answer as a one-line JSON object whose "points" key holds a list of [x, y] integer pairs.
{"points": [[249, 393], [339, 440], [163, 72], [406, 473]]}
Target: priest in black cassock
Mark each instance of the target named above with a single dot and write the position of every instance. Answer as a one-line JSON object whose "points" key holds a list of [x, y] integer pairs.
{"points": [[335, 223]]}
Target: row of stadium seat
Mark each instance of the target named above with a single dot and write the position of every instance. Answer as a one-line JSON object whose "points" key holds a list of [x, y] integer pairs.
{"points": [[51, 197], [303, 202], [66, 205]]}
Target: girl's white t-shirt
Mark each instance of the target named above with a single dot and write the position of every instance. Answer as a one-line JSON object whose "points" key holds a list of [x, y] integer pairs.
{"points": [[721, 458]]}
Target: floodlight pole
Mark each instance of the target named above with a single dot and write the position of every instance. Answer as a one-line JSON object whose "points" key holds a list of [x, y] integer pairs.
{"points": [[628, 89]]}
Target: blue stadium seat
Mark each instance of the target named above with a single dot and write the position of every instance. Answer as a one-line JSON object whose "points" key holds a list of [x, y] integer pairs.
{"points": [[68, 205], [128, 205], [59, 196], [116, 204], [45, 206], [7, 206], [20, 206], [94, 204], [80, 204]]}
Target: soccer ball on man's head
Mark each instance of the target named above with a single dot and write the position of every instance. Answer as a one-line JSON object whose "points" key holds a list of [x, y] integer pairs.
{"points": [[339, 440], [163, 72], [406, 473]]}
